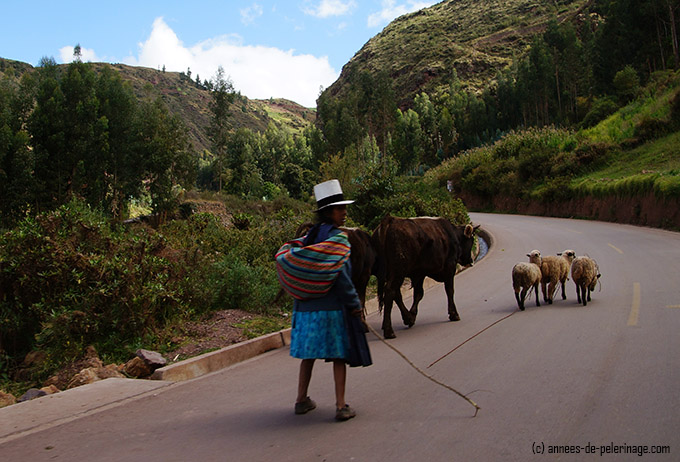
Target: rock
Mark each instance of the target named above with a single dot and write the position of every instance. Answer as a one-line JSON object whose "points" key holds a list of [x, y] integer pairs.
{"points": [[63, 377], [6, 399], [93, 374], [32, 393], [50, 390], [34, 358], [84, 377], [137, 368], [153, 359], [29, 366]]}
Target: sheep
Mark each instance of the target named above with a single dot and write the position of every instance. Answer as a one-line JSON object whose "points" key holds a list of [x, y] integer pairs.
{"points": [[554, 269], [585, 273], [526, 276]]}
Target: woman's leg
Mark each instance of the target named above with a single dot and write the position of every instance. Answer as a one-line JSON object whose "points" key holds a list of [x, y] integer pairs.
{"points": [[304, 378], [340, 376]]}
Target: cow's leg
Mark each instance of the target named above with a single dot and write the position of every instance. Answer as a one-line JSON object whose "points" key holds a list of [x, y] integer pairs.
{"points": [[418, 292], [388, 332], [453, 313], [406, 315]]}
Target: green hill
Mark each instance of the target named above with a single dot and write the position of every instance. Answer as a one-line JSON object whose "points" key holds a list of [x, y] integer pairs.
{"points": [[475, 38], [191, 102]]}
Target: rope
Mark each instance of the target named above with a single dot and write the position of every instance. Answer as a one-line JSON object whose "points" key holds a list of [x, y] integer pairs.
{"points": [[421, 372], [478, 333]]}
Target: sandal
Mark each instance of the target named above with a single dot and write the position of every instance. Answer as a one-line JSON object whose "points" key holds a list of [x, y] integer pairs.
{"points": [[344, 413], [303, 407]]}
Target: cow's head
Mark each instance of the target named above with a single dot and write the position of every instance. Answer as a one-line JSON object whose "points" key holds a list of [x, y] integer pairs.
{"points": [[466, 243]]}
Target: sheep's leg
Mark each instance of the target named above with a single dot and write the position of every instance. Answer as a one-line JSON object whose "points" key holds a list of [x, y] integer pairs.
{"points": [[545, 293], [578, 293], [564, 291], [538, 302], [551, 290], [588, 293], [520, 296], [583, 295]]}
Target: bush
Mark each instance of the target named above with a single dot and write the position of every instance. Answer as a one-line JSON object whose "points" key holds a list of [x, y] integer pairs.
{"points": [[71, 279], [600, 110]]}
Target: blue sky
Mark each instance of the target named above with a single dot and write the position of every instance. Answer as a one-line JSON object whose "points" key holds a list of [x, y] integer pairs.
{"points": [[268, 48]]}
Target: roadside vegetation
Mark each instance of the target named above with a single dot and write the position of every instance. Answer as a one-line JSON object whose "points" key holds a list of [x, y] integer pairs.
{"points": [[630, 153]]}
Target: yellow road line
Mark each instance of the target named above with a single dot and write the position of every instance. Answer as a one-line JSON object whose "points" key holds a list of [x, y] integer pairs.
{"points": [[635, 308], [672, 306], [616, 248]]}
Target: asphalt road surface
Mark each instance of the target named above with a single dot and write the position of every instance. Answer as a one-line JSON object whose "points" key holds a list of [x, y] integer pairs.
{"points": [[556, 382]]}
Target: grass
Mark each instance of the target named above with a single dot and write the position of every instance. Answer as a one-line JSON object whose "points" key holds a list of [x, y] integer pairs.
{"points": [[659, 156], [261, 325]]}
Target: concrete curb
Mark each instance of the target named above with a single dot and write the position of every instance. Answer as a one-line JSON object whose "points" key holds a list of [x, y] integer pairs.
{"points": [[215, 360]]}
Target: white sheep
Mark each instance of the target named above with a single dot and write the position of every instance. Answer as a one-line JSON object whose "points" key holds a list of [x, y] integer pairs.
{"points": [[585, 273], [554, 269], [526, 276]]}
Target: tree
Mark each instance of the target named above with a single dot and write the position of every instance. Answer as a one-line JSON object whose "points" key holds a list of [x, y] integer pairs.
{"points": [[164, 154], [16, 157], [77, 53], [118, 177], [407, 141], [242, 175], [627, 84], [222, 97]]}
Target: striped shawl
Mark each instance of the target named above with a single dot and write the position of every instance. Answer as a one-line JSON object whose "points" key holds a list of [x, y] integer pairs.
{"points": [[309, 272]]}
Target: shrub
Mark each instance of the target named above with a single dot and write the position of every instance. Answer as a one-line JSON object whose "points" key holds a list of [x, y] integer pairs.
{"points": [[71, 279], [600, 110]]}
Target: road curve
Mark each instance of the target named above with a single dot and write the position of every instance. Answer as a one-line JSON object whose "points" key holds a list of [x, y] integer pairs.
{"points": [[560, 381]]}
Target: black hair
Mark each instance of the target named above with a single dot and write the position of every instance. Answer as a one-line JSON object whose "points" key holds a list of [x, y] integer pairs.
{"points": [[324, 215]]}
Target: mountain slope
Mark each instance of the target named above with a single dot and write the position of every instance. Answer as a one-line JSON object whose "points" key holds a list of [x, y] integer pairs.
{"points": [[192, 103], [476, 38]]}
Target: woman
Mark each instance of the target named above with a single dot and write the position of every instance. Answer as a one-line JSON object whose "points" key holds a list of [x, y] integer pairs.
{"points": [[326, 327]]}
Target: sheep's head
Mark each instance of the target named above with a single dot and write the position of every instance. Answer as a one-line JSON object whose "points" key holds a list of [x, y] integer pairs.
{"points": [[568, 254], [535, 257]]}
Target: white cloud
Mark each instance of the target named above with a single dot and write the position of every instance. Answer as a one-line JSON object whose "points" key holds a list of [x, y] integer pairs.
{"points": [[328, 8], [86, 55], [258, 72], [250, 14], [391, 10]]}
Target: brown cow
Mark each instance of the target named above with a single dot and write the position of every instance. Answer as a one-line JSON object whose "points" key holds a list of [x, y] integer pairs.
{"points": [[416, 248], [362, 258]]}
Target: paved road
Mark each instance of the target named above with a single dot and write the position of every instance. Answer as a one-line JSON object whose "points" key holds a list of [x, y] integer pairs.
{"points": [[605, 377]]}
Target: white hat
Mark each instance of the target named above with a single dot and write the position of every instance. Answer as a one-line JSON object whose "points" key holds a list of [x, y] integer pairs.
{"points": [[329, 193]]}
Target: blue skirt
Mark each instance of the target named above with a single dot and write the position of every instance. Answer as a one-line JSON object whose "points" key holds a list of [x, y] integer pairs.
{"points": [[319, 335]]}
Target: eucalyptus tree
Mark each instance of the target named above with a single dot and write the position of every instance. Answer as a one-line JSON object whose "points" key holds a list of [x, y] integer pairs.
{"points": [[223, 95]]}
